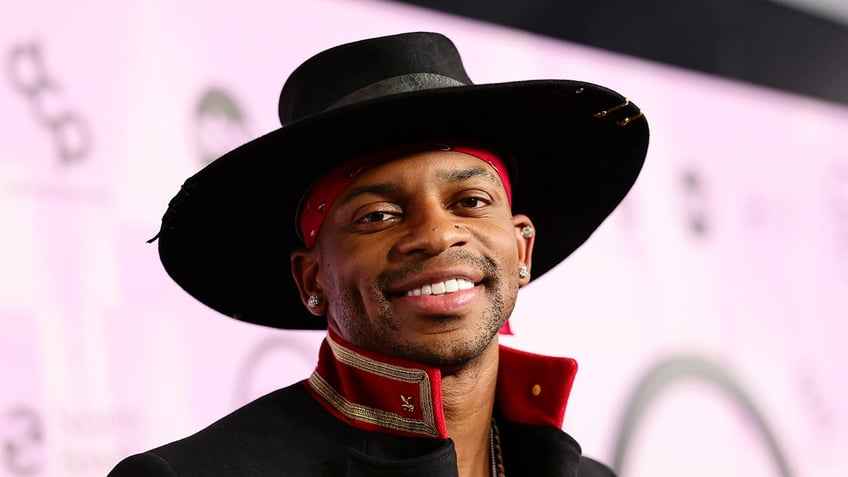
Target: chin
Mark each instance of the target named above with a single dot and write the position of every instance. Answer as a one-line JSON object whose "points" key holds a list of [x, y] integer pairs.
{"points": [[449, 351]]}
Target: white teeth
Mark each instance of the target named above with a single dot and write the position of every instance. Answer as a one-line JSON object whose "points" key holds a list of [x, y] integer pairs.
{"points": [[441, 288]]}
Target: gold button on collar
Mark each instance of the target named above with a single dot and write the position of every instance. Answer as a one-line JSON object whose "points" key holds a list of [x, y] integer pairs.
{"points": [[536, 390]]}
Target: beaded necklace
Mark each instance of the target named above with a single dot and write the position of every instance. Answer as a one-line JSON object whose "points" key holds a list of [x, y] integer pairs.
{"points": [[495, 451]]}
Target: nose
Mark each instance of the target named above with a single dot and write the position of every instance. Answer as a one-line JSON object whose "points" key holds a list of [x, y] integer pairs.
{"points": [[432, 232]]}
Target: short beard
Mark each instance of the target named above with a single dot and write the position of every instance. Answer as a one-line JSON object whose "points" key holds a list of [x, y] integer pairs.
{"points": [[450, 358]]}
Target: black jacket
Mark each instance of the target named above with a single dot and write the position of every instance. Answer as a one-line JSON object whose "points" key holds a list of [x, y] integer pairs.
{"points": [[326, 426], [287, 433]]}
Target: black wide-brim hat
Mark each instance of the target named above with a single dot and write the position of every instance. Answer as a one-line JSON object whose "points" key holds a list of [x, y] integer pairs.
{"points": [[574, 150]]}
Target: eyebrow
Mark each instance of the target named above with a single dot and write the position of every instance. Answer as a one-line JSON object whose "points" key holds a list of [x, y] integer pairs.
{"points": [[460, 175]]}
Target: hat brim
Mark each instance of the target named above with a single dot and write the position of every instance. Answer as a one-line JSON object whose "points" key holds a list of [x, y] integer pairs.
{"points": [[228, 234]]}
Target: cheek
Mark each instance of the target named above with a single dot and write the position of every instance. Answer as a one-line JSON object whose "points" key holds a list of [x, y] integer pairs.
{"points": [[347, 283], [506, 244]]}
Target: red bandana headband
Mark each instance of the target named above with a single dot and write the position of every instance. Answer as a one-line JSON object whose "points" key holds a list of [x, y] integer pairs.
{"points": [[321, 196]]}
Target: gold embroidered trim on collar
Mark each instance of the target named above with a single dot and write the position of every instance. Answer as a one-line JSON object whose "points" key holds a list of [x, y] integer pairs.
{"points": [[371, 415]]}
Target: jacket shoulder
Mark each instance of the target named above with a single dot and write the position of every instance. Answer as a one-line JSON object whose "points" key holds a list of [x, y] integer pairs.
{"points": [[147, 464], [589, 467]]}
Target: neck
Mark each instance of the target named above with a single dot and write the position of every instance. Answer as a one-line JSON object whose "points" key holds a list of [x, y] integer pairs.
{"points": [[468, 397]]}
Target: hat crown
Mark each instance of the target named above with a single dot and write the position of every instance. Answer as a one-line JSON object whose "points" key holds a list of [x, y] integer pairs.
{"points": [[370, 69]]}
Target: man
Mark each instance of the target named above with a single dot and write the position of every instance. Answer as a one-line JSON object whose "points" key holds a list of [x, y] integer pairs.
{"points": [[401, 177]]}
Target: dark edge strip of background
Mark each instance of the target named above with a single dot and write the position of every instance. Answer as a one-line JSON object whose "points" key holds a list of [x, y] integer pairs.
{"points": [[754, 41]]}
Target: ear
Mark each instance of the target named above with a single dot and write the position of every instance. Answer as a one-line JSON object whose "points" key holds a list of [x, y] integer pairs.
{"points": [[525, 236], [306, 273]]}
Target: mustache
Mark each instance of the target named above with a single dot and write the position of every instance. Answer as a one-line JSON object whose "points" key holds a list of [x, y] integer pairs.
{"points": [[489, 268]]}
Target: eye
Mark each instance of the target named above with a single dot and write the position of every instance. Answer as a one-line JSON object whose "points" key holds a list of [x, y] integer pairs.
{"points": [[374, 217], [379, 213], [472, 202]]}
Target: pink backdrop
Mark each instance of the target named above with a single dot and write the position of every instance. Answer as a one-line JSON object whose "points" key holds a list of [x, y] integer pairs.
{"points": [[707, 314]]}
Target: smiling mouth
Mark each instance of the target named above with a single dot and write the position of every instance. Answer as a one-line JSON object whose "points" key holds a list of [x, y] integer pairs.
{"points": [[442, 288]]}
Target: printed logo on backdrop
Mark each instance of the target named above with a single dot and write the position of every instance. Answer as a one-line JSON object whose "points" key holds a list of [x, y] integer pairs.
{"points": [[275, 362], [220, 125], [30, 76], [92, 441], [695, 201], [22, 442], [676, 371]]}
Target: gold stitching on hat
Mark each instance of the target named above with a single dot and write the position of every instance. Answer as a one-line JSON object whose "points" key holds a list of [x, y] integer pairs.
{"points": [[622, 122], [601, 114], [626, 121]]}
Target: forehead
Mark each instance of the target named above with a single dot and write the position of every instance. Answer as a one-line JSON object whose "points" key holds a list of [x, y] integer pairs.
{"points": [[424, 168]]}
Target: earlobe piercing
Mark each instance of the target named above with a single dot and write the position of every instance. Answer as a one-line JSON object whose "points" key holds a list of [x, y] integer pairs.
{"points": [[523, 272], [527, 231], [313, 301]]}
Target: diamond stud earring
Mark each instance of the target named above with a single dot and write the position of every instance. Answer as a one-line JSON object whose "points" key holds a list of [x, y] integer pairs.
{"points": [[527, 231], [313, 301], [523, 272]]}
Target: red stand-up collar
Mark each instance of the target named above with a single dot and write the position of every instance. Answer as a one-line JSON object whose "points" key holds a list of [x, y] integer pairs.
{"points": [[385, 394]]}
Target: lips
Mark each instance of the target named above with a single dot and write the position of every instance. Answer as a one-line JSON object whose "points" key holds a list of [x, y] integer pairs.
{"points": [[442, 288]]}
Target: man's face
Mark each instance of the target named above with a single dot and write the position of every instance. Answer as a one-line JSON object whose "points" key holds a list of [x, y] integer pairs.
{"points": [[418, 258]]}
